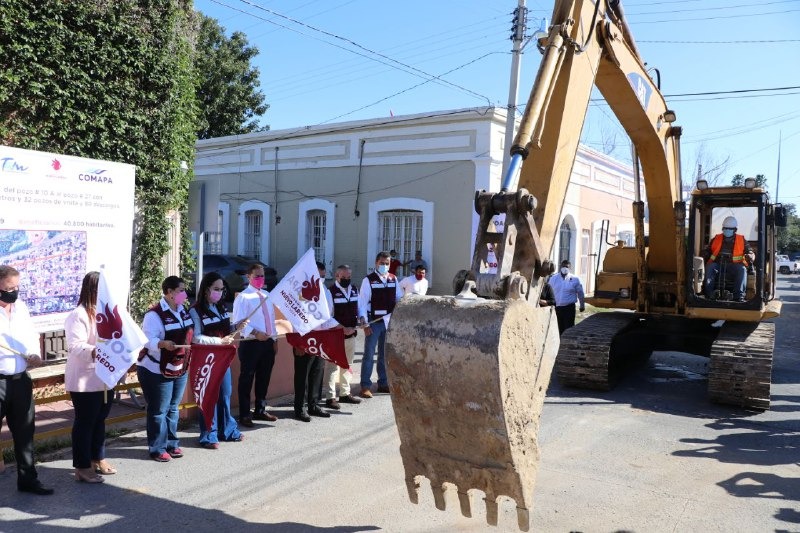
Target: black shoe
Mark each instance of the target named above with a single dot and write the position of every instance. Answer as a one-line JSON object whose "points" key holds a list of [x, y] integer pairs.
{"points": [[384, 389], [332, 404], [319, 412], [246, 421], [34, 487], [302, 416], [349, 399], [265, 417]]}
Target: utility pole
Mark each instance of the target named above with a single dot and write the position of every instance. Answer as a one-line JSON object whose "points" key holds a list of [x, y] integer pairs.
{"points": [[778, 179], [518, 27]]}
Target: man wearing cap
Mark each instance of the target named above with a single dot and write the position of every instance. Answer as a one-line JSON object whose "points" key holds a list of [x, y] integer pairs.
{"points": [[730, 253], [567, 290]]}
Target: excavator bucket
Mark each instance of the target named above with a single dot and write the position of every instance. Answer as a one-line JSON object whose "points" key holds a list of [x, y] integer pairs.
{"points": [[468, 380]]}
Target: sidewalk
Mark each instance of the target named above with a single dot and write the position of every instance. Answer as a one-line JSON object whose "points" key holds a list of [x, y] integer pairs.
{"points": [[54, 419]]}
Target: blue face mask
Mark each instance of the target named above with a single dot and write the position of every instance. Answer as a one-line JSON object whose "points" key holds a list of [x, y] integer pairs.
{"points": [[728, 232], [383, 269]]}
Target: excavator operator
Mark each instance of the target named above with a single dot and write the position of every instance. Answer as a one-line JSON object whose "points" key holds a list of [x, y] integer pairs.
{"points": [[728, 256]]}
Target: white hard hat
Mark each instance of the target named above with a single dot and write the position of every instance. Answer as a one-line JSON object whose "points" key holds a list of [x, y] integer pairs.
{"points": [[730, 222]]}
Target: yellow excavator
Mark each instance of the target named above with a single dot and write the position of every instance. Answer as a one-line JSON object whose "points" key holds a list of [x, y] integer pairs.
{"points": [[469, 373]]}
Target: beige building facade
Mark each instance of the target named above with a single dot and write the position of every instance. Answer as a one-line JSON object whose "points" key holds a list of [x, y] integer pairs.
{"points": [[350, 190]]}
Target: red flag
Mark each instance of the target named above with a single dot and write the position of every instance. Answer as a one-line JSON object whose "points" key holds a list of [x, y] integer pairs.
{"points": [[325, 343], [208, 365]]}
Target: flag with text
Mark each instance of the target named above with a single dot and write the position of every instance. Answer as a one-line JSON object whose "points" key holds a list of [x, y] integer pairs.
{"points": [[119, 338]]}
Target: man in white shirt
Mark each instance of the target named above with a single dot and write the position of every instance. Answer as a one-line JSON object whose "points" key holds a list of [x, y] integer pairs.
{"points": [[380, 291], [256, 356], [415, 283], [19, 351], [567, 290]]}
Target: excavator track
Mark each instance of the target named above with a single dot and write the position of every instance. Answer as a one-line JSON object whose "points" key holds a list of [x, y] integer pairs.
{"points": [[585, 351], [740, 371]]}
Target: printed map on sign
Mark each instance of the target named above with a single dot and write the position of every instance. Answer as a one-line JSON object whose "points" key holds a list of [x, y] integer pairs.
{"points": [[51, 265]]}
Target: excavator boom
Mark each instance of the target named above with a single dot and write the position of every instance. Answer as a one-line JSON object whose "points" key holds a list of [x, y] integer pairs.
{"points": [[469, 373]]}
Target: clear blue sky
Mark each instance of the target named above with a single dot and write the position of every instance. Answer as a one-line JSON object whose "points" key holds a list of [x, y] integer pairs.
{"points": [[327, 61]]}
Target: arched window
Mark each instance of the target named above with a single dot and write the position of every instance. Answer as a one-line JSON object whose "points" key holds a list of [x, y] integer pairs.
{"points": [[401, 230], [315, 229], [564, 242], [315, 233], [402, 224], [253, 226], [253, 230]]}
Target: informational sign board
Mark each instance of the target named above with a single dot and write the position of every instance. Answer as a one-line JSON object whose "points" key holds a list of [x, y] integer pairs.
{"points": [[61, 217]]}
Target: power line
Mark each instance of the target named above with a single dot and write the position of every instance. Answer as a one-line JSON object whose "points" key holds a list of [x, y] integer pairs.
{"points": [[759, 41], [736, 91], [717, 8], [419, 72], [716, 18], [408, 89]]}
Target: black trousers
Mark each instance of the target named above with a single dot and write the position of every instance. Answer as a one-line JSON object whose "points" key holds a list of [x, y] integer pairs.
{"points": [[256, 359], [307, 381], [16, 405], [565, 314], [89, 428]]}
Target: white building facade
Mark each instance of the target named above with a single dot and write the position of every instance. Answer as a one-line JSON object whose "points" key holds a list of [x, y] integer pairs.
{"points": [[407, 183]]}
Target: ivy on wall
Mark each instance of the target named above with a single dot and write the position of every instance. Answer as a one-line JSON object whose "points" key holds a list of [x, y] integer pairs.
{"points": [[113, 80]]}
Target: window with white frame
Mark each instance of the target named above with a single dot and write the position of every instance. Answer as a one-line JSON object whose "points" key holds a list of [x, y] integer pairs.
{"points": [[316, 221], [213, 239], [400, 230], [253, 226], [585, 234], [564, 242]]}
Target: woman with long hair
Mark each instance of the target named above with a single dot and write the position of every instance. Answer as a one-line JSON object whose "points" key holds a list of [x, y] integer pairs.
{"points": [[163, 366], [212, 325], [90, 397]]}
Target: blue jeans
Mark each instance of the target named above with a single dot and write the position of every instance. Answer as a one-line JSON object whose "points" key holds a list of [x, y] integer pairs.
{"points": [[223, 425], [163, 395], [378, 338], [736, 273]]}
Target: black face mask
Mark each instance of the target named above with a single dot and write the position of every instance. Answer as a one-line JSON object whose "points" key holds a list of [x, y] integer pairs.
{"points": [[9, 297], [344, 282]]}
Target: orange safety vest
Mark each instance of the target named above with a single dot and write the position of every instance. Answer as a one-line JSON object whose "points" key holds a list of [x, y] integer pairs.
{"points": [[738, 248]]}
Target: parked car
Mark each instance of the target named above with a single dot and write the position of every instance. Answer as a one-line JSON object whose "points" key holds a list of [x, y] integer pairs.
{"points": [[233, 269], [786, 265]]}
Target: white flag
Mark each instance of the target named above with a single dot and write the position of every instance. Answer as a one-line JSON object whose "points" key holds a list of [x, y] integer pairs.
{"points": [[300, 295], [119, 338]]}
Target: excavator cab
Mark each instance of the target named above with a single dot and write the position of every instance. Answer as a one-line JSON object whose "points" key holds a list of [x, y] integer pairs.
{"points": [[757, 220]]}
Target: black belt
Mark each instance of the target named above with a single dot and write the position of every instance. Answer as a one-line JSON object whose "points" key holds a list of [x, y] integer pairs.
{"points": [[12, 376]]}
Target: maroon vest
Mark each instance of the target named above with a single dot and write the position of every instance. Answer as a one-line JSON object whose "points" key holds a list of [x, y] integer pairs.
{"points": [[174, 363], [345, 312], [383, 295], [215, 325]]}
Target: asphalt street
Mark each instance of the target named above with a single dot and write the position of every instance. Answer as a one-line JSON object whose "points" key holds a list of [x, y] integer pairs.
{"points": [[654, 455]]}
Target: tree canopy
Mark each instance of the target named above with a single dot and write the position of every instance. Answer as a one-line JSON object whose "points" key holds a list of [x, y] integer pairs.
{"points": [[228, 95], [110, 80], [738, 180]]}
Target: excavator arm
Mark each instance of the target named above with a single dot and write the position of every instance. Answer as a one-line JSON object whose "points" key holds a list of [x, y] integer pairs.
{"points": [[469, 373]]}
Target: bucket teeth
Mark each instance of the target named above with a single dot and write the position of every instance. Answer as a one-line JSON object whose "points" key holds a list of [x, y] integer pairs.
{"points": [[523, 519], [413, 489], [491, 511], [438, 496], [463, 500]]}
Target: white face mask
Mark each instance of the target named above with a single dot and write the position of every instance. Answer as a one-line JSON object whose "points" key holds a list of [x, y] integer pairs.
{"points": [[564, 271]]}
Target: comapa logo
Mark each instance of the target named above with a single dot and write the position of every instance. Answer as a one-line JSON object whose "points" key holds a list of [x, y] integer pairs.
{"points": [[95, 175]]}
